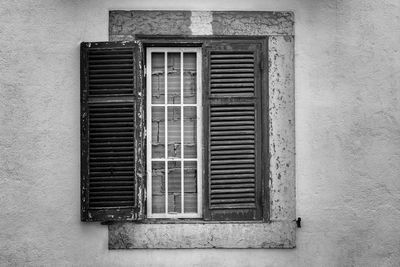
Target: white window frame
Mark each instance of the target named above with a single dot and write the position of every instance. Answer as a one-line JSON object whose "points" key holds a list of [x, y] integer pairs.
{"points": [[199, 124]]}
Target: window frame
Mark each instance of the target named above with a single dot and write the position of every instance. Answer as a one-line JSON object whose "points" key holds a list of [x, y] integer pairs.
{"points": [[199, 122]]}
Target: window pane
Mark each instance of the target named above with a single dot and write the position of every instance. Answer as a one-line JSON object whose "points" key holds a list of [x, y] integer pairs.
{"points": [[190, 185], [174, 78], [158, 132], [174, 186], [157, 78], [158, 187], [190, 132], [174, 132], [173, 120], [189, 78]]}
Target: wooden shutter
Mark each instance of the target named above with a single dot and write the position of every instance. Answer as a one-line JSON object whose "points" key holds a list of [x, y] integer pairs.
{"points": [[111, 131], [233, 138]]}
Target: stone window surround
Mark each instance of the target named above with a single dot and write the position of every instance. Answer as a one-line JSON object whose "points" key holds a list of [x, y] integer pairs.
{"points": [[279, 231]]}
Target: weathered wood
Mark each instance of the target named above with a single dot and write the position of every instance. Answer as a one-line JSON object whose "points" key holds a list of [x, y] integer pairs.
{"points": [[111, 131], [233, 117]]}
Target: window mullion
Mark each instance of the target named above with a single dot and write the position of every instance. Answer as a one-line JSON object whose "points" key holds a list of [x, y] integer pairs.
{"points": [[166, 129], [182, 141]]}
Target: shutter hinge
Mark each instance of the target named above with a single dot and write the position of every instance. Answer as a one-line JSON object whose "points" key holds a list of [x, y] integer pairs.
{"points": [[261, 66], [145, 70]]}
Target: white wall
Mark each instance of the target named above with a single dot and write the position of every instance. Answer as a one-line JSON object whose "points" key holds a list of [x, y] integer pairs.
{"points": [[347, 130]]}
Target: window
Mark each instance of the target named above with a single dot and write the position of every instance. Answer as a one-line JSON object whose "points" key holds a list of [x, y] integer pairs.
{"points": [[174, 124], [200, 105]]}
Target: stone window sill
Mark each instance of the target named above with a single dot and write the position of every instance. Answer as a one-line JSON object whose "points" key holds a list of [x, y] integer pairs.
{"points": [[201, 234]]}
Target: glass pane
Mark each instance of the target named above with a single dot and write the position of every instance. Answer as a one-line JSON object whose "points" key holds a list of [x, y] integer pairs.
{"points": [[190, 132], [158, 132], [189, 78], [158, 187], [174, 186], [190, 185], [157, 78], [174, 132], [174, 78]]}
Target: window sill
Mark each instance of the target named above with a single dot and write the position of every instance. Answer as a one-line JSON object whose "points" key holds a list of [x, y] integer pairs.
{"points": [[192, 221], [202, 234]]}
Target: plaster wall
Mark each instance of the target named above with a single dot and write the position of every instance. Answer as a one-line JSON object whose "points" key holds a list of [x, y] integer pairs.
{"points": [[347, 135]]}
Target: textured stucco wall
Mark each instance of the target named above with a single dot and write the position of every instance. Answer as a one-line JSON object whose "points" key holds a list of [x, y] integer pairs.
{"points": [[347, 135]]}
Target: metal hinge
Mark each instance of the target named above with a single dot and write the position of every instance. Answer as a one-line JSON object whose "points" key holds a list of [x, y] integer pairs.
{"points": [[145, 70], [261, 66]]}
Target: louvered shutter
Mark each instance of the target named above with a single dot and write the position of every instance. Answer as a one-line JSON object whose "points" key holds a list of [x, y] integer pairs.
{"points": [[233, 114], [111, 131]]}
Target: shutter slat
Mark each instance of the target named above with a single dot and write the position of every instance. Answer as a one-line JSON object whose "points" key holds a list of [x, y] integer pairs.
{"points": [[233, 71], [233, 152], [111, 61], [231, 113], [110, 178], [227, 133], [95, 73], [241, 156], [245, 201], [112, 193], [108, 189], [111, 134], [111, 183], [99, 125], [111, 151], [110, 66], [226, 138], [112, 204], [231, 55], [110, 86], [232, 118], [119, 75], [115, 80], [239, 182], [106, 115], [233, 75], [111, 56], [231, 66], [111, 173], [232, 161], [231, 176], [231, 80], [231, 86], [110, 51], [232, 142]]}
